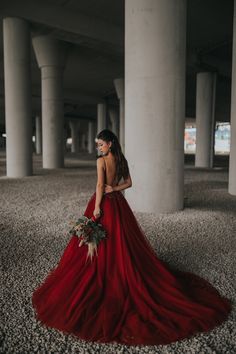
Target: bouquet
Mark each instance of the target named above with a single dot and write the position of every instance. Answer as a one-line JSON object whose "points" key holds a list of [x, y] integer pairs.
{"points": [[89, 232]]}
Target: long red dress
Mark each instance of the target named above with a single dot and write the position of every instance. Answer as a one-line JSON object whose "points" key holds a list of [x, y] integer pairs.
{"points": [[125, 294]]}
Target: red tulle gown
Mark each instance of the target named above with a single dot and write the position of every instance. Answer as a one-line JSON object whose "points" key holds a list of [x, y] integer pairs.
{"points": [[125, 294]]}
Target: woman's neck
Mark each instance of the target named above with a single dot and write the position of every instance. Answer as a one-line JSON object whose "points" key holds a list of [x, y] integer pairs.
{"points": [[109, 154]]}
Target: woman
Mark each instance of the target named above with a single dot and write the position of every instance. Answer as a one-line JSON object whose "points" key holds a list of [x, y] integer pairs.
{"points": [[125, 294], [109, 147]]}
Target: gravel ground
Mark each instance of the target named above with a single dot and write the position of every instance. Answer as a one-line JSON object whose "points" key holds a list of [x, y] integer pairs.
{"points": [[35, 216]]}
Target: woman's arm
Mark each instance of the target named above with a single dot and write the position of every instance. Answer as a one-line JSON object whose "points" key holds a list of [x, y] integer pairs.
{"points": [[100, 187], [127, 184]]}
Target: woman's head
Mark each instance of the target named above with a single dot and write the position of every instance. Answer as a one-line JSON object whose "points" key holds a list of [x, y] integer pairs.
{"points": [[107, 141]]}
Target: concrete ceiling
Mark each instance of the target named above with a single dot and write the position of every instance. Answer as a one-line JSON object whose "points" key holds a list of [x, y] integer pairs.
{"points": [[109, 11], [95, 30]]}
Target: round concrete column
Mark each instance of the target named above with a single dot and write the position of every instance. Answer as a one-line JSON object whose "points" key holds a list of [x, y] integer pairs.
{"points": [[91, 137], [101, 117], [74, 126], [205, 121], [232, 156], [120, 90], [114, 121], [51, 56], [38, 135], [83, 141], [53, 117], [18, 111], [65, 139], [155, 41]]}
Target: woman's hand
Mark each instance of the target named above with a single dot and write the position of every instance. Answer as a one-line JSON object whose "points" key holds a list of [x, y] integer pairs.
{"points": [[97, 212], [108, 189]]}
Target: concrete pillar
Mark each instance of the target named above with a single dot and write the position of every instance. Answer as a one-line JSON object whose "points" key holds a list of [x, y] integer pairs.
{"points": [[65, 139], [74, 126], [101, 117], [83, 141], [91, 137], [232, 155], [120, 90], [155, 42], [18, 107], [38, 135], [114, 121], [51, 57], [205, 119]]}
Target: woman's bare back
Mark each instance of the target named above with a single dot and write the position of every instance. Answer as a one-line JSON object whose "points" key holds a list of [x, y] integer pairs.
{"points": [[111, 177]]}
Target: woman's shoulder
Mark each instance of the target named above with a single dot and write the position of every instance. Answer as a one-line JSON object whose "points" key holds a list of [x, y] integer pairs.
{"points": [[100, 161]]}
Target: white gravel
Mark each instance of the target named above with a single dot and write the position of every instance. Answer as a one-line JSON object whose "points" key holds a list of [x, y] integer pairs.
{"points": [[35, 215]]}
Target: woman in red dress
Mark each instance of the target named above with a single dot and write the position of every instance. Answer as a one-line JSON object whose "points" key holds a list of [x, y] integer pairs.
{"points": [[125, 294]]}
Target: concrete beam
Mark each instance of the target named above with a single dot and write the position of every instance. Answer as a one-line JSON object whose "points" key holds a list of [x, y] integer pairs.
{"points": [[86, 28]]}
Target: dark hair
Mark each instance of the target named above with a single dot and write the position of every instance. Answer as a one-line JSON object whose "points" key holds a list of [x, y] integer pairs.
{"points": [[122, 167]]}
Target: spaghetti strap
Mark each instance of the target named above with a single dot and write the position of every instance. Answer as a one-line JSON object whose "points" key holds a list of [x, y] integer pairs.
{"points": [[105, 170]]}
